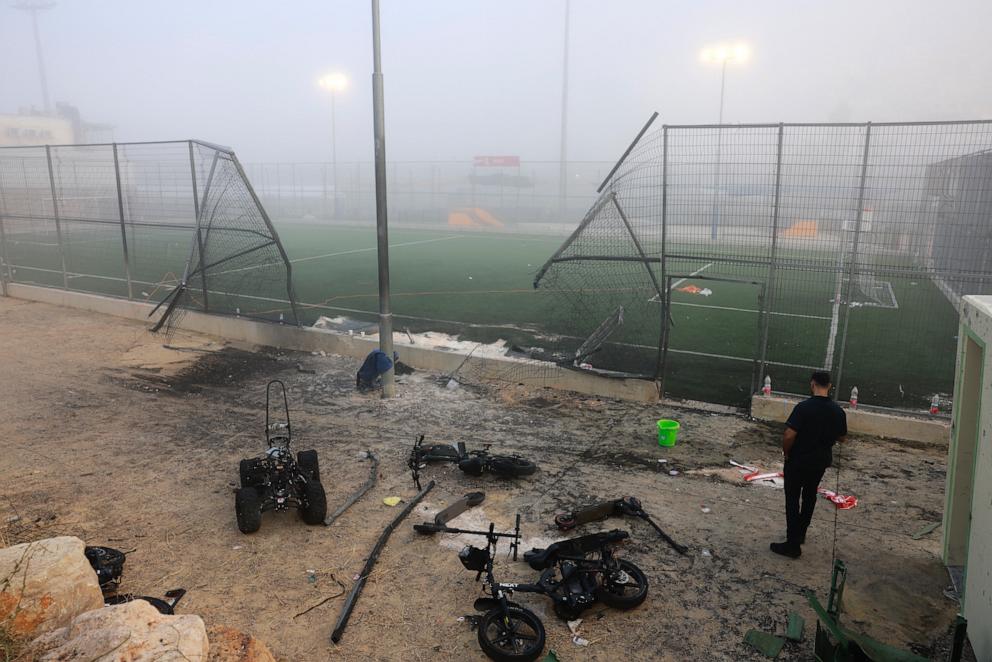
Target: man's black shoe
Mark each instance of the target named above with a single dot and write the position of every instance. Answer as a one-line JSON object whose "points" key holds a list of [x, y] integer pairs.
{"points": [[785, 549]]}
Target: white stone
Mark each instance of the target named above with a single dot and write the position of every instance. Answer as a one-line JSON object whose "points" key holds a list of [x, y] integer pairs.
{"points": [[45, 584], [130, 632]]}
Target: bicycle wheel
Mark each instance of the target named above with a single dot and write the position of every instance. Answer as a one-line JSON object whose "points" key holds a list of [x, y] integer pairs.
{"points": [[624, 587], [516, 635]]}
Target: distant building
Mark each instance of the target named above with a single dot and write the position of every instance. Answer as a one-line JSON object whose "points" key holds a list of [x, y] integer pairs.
{"points": [[64, 127]]}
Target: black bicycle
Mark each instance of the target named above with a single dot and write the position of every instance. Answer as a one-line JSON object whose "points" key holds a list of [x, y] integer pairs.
{"points": [[574, 574], [474, 463]]}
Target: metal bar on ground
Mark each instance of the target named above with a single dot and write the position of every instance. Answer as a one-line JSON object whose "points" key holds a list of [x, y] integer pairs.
{"points": [[630, 149], [55, 215], [366, 486], [381, 216], [854, 261], [770, 291], [356, 590], [120, 209]]}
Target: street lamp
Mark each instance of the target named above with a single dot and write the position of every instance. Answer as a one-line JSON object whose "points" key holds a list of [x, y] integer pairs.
{"points": [[721, 54], [334, 83]]}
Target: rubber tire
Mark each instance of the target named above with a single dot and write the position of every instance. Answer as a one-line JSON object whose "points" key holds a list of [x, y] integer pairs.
{"points": [[316, 509], [249, 473], [248, 509], [628, 601], [511, 466], [516, 613], [307, 462], [567, 613]]}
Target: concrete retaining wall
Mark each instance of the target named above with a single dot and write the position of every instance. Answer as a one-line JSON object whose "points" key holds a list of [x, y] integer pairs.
{"points": [[777, 409], [313, 340]]}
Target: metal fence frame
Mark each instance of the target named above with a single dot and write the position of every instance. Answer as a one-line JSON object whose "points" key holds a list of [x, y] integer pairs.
{"points": [[195, 224], [775, 262]]}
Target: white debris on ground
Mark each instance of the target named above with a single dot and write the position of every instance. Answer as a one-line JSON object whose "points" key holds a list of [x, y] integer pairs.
{"points": [[426, 340]]}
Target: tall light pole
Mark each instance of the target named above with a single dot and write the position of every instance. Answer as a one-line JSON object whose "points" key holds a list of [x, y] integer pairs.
{"points": [[563, 156], [721, 54], [382, 234], [33, 7], [334, 83]]}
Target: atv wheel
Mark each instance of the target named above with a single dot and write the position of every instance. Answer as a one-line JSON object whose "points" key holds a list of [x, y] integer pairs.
{"points": [[624, 587], [307, 462], [252, 475], [503, 465], [248, 509], [517, 635], [315, 509]]}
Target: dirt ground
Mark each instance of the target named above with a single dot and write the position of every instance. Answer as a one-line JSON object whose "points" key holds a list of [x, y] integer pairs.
{"points": [[114, 437]]}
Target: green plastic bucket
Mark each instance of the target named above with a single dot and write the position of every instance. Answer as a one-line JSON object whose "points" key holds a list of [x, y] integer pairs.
{"points": [[668, 432]]}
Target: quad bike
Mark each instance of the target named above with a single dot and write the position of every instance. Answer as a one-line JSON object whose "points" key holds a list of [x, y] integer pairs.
{"points": [[277, 480], [573, 575], [474, 463]]}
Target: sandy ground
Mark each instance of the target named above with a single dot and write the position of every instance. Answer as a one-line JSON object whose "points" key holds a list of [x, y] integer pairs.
{"points": [[113, 437]]}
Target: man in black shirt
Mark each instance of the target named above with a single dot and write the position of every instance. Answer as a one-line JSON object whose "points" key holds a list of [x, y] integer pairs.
{"points": [[811, 431]]}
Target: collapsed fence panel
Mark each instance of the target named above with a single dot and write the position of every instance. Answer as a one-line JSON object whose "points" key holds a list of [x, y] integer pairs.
{"points": [[783, 249], [174, 223]]}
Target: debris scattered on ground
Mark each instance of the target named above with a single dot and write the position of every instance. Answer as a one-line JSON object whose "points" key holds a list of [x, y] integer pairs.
{"points": [[452, 385], [392, 501], [795, 627], [707, 553], [842, 502], [767, 644], [929, 528], [325, 600], [552, 656], [706, 510]]}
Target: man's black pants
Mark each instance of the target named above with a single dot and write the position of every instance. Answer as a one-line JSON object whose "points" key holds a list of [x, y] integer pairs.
{"points": [[802, 477]]}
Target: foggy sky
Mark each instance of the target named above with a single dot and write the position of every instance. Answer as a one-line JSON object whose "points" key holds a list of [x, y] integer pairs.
{"points": [[467, 77]]}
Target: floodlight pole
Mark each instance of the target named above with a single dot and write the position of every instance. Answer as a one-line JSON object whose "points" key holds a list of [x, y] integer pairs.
{"points": [[382, 233], [334, 151], [33, 7], [563, 156]]}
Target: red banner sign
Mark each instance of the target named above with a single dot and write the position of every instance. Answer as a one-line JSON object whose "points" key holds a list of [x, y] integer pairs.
{"points": [[497, 162]]}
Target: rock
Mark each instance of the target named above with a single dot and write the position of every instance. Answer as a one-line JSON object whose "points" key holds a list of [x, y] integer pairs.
{"points": [[130, 632], [230, 645], [45, 584]]}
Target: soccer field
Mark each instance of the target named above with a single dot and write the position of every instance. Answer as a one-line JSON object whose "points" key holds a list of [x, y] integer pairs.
{"points": [[480, 286]]}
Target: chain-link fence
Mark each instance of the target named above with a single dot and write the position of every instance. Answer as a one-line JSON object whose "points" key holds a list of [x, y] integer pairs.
{"points": [[745, 251], [170, 222], [430, 192]]}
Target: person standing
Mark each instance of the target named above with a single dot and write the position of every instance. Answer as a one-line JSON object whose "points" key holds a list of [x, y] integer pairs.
{"points": [[813, 428]]}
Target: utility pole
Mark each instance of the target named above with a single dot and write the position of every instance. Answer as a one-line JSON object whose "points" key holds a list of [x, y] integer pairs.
{"points": [[382, 233], [33, 7], [563, 156]]}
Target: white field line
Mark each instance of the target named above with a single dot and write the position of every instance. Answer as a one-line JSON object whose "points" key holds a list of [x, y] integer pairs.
{"points": [[694, 273], [348, 252], [748, 310], [828, 359]]}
